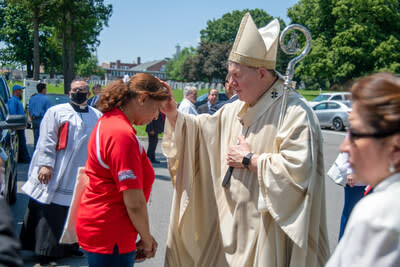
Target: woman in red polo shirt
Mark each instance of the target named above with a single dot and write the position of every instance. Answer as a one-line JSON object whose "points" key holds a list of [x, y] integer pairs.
{"points": [[113, 208]]}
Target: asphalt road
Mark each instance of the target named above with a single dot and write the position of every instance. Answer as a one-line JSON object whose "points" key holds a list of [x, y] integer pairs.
{"points": [[161, 198]]}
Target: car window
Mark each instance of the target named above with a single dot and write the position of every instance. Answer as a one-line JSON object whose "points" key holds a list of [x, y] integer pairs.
{"points": [[333, 106], [3, 90], [320, 106], [3, 111], [56, 99], [321, 98], [348, 104], [337, 97], [347, 97]]}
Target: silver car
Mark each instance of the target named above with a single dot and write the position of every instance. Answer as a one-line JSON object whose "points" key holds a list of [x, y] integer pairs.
{"points": [[333, 114], [338, 96]]}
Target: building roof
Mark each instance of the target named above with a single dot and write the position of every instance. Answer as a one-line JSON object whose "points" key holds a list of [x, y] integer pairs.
{"points": [[146, 65]]}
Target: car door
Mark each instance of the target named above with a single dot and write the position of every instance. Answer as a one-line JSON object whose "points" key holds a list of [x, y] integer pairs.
{"points": [[5, 144], [4, 90], [332, 110], [320, 111], [9, 137]]}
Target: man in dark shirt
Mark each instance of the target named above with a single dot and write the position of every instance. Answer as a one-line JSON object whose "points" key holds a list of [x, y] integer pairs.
{"points": [[15, 108], [212, 100], [38, 105], [230, 94], [153, 129]]}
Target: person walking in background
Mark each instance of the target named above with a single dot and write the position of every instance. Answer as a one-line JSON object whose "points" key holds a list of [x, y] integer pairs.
{"points": [[60, 151], [342, 174], [230, 94], [372, 234], [15, 108], [113, 207], [153, 129], [190, 97], [38, 105], [96, 90], [212, 99]]}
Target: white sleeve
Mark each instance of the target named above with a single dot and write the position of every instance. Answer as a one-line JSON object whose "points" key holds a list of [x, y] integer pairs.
{"points": [[46, 146], [340, 169], [367, 245]]}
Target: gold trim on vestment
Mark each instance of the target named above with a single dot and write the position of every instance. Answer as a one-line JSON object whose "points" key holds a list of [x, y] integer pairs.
{"points": [[252, 62]]}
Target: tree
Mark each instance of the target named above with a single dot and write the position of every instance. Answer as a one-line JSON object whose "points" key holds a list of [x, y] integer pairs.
{"points": [[217, 40], [89, 67], [174, 65], [78, 24], [209, 63], [36, 11], [225, 28], [350, 39], [16, 34]]}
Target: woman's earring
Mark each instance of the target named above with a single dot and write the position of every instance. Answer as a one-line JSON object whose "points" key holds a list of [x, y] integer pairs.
{"points": [[392, 169]]}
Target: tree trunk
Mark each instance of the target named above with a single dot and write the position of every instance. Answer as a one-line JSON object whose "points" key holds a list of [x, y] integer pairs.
{"points": [[65, 61], [68, 53], [65, 52], [36, 60]]}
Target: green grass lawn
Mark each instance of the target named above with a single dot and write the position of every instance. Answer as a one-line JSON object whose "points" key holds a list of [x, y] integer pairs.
{"points": [[178, 95]]}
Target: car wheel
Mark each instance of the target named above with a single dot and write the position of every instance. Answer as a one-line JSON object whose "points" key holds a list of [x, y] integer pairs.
{"points": [[337, 124]]}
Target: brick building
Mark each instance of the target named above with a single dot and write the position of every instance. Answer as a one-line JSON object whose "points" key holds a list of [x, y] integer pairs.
{"points": [[117, 70]]}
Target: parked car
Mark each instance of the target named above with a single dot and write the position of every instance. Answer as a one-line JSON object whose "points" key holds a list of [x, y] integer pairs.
{"points": [[203, 98], [9, 144], [56, 99], [342, 96], [333, 114]]}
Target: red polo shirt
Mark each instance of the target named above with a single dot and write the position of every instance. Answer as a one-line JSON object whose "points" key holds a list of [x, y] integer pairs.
{"points": [[116, 162]]}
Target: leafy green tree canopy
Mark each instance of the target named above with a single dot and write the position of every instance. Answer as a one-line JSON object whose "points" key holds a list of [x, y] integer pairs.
{"points": [[174, 65], [350, 39], [216, 40]]}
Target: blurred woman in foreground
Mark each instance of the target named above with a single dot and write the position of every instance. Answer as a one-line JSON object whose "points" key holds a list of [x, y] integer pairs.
{"points": [[113, 208], [372, 235]]}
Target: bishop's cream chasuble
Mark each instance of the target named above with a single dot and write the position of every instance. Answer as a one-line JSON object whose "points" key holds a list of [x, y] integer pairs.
{"points": [[273, 218]]}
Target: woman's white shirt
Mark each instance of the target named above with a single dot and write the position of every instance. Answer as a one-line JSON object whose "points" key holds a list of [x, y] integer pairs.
{"points": [[372, 235]]}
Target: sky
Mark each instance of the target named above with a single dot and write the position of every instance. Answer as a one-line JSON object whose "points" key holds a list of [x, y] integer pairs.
{"points": [[151, 29]]}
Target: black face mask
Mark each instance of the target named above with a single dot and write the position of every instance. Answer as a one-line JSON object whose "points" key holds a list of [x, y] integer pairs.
{"points": [[78, 97]]}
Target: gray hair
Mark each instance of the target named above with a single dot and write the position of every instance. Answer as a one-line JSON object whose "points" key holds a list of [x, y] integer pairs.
{"points": [[188, 90]]}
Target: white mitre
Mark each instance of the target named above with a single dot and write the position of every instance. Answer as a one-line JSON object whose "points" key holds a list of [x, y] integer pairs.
{"points": [[256, 47]]}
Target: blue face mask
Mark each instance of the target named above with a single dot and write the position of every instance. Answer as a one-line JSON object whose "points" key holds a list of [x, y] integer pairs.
{"points": [[78, 97]]}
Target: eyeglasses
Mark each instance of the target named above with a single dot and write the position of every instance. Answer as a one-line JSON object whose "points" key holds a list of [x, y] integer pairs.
{"points": [[80, 89], [353, 136]]}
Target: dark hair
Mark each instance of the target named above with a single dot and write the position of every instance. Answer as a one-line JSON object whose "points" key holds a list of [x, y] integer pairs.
{"points": [[118, 93], [96, 86], [378, 98], [40, 87]]}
